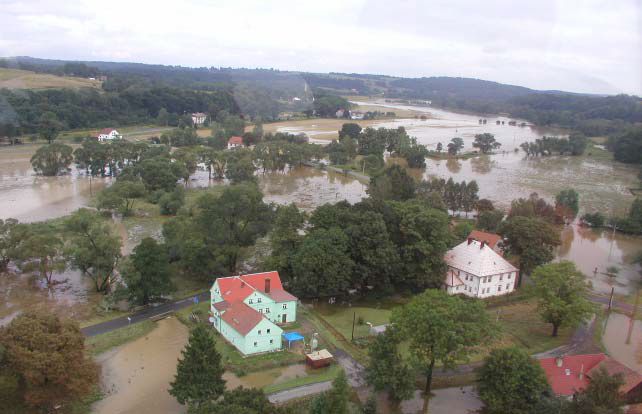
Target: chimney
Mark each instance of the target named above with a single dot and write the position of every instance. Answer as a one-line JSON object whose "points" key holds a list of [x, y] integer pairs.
{"points": [[582, 372], [267, 285], [481, 246], [559, 361], [567, 372], [470, 240]]}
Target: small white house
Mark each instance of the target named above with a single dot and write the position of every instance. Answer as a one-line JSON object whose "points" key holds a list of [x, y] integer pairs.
{"points": [[475, 269], [108, 134], [198, 118], [234, 142]]}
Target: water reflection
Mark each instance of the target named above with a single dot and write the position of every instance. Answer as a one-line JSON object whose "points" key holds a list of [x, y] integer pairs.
{"points": [[453, 165]]}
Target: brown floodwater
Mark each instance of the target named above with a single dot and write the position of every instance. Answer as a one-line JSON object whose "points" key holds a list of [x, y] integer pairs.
{"points": [[28, 197], [617, 328], [136, 376]]}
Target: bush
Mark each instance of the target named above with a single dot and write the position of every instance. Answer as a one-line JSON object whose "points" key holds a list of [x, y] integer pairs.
{"points": [[594, 219], [170, 203]]}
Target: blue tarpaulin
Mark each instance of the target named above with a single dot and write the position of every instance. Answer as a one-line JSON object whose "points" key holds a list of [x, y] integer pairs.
{"points": [[292, 337]]}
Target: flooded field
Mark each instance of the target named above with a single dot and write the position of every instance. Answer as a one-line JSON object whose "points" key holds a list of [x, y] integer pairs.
{"points": [[618, 330], [27, 197], [136, 376]]}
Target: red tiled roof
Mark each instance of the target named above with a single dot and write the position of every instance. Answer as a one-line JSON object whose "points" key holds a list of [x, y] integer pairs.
{"points": [[235, 140], [280, 295], [634, 409], [234, 289], [563, 384], [257, 280], [222, 305], [491, 239], [631, 378], [241, 317], [106, 131]]}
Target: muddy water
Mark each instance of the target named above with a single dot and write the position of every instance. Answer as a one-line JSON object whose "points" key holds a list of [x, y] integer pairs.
{"points": [[136, 376], [591, 249], [306, 187], [27, 197], [616, 332]]}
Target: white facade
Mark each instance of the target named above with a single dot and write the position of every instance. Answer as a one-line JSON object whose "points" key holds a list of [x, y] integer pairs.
{"points": [[199, 118], [474, 269], [108, 135]]}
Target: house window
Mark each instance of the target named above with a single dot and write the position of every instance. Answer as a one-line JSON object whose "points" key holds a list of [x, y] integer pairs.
{"points": [[507, 286], [509, 275], [268, 331], [490, 279], [501, 277], [260, 310], [259, 300], [499, 288], [285, 306], [255, 343], [271, 341], [267, 310], [251, 301], [259, 332]]}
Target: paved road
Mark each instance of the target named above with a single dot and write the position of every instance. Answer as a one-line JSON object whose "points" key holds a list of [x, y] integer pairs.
{"points": [[300, 392], [143, 315]]}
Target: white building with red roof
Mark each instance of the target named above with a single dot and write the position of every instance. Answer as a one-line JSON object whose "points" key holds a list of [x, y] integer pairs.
{"points": [[108, 134], [475, 269], [248, 309], [234, 142]]}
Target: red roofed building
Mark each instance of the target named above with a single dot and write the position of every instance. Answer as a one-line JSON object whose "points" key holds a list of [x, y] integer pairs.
{"points": [[246, 310], [108, 134], [570, 374], [234, 142], [491, 239]]}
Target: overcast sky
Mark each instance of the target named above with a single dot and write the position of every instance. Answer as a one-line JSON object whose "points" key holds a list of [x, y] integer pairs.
{"points": [[579, 45]]}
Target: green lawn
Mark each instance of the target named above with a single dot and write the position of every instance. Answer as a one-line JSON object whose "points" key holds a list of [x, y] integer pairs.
{"points": [[320, 375], [341, 319], [104, 342]]}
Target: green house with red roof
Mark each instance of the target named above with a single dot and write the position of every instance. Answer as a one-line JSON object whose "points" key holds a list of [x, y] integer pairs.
{"points": [[249, 310]]}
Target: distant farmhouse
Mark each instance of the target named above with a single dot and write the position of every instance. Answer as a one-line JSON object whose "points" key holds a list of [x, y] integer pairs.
{"points": [[234, 142], [247, 310], [108, 134], [475, 269], [198, 118]]}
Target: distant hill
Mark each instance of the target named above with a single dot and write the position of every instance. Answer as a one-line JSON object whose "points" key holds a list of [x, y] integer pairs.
{"points": [[23, 79], [267, 92]]}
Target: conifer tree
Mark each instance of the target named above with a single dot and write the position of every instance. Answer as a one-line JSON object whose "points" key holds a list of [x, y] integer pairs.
{"points": [[199, 375]]}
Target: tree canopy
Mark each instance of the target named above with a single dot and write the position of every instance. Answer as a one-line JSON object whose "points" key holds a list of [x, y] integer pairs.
{"points": [[52, 159], [147, 273]]}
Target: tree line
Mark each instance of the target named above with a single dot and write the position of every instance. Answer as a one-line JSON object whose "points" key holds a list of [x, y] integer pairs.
{"points": [[575, 144]]}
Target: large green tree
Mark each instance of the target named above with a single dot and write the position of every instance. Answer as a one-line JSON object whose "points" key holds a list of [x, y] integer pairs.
{"points": [[486, 143], [601, 396], [510, 381], [93, 247], [40, 250], [239, 401], [393, 183], [121, 196], [455, 145], [322, 265], [561, 292], [567, 203], [199, 374], [9, 241], [442, 329], [53, 159], [47, 356], [160, 173], [386, 370], [147, 273], [49, 126], [285, 239], [530, 238]]}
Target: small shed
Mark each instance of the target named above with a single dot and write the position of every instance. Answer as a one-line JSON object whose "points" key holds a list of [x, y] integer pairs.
{"points": [[318, 359], [292, 337]]}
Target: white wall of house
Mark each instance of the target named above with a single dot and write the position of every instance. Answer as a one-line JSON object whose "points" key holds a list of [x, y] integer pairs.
{"points": [[483, 286]]}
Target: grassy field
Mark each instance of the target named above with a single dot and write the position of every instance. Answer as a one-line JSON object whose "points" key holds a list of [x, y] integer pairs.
{"points": [[24, 79], [320, 375], [104, 342]]}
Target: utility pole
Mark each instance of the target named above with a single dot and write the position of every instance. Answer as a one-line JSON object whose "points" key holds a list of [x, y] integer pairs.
{"points": [[632, 321], [354, 315]]}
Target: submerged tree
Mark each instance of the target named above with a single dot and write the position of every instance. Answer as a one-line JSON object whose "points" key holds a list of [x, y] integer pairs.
{"points": [[93, 247], [53, 159], [9, 242], [40, 250], [486, 143]]}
